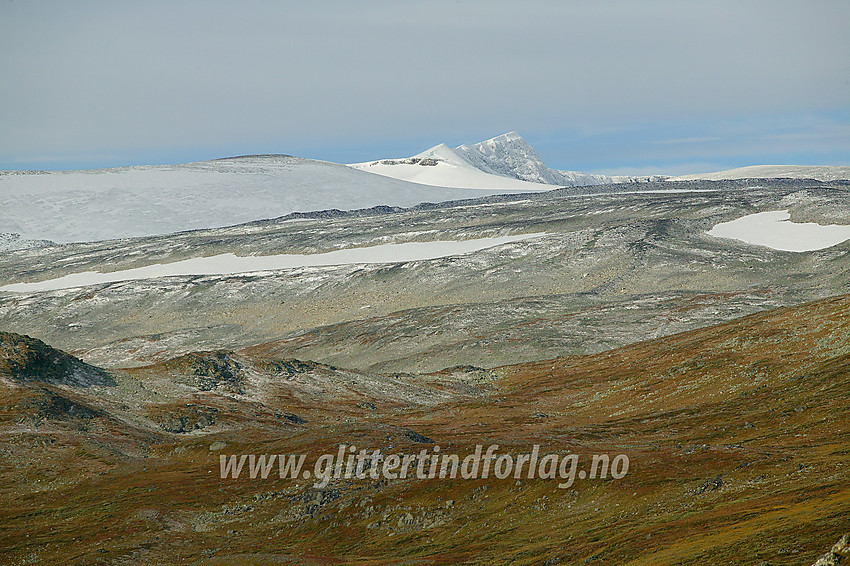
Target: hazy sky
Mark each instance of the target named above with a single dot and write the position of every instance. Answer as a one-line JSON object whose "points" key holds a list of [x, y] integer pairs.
{"points": [[648, 86]]}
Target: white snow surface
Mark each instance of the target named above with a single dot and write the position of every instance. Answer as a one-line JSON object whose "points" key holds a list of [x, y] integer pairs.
{"points": [[103, 204], [817, 172], [230, 264], [773, 230], [441, 166], [506, 162]]}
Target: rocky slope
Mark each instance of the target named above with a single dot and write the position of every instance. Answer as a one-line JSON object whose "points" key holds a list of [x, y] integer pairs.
{"points": [[24, 359], [511, 156]]}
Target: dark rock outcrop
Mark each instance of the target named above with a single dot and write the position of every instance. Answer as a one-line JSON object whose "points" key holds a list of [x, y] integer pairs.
{"points": [[416, 437], [186, 418], [42, 404], [208, 371], [25, 359]]}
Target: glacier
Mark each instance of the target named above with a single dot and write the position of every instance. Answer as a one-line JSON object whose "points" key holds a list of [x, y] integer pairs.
{"points": [[125, 202]]}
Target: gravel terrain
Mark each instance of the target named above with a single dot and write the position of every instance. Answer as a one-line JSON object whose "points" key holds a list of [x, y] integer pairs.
{"points": [[617, 264]]}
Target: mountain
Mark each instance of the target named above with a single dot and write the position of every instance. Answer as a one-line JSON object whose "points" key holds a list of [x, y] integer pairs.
{"points": [[818, 172], [511, 156], [485, 164], [616, 333], [442, 166], [679, 333], [77, 206]]}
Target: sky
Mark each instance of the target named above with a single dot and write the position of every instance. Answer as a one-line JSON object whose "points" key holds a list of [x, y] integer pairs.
{"points": [[656, 86]]}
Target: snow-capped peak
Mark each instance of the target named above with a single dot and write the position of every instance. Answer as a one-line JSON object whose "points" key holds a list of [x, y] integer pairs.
{"points": [[506, 162], [442, 166], [511, 156], [508, 155]]}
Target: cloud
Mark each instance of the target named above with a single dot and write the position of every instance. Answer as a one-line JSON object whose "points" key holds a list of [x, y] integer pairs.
{"points": [[179, 78]]}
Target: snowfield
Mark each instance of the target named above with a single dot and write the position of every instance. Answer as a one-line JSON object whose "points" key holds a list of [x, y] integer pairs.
{"points": [[230, 264], [104, 204], [773, 230]]}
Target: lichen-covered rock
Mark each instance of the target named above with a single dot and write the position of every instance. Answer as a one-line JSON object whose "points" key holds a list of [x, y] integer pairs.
{"points": [[288, 367], [25, 359], [842, 547], [209, 371], [837, 553], [186, 418]]}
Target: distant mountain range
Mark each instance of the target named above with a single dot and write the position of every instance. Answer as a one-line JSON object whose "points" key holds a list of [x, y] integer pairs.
{"points": [[819, 172], [509, 156]]}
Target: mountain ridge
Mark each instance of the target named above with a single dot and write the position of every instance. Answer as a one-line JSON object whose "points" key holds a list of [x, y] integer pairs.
{"points": [[817, 172], [506, 156], [510, 155]]}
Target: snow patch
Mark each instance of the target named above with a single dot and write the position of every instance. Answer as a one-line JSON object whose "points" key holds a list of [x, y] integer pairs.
{"points": [[773, 230], [230, 264]]}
